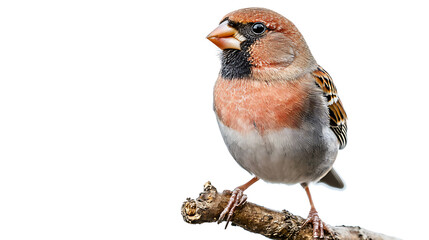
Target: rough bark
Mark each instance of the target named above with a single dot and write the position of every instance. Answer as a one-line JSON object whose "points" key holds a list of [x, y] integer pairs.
{"points": [[269, 223]]}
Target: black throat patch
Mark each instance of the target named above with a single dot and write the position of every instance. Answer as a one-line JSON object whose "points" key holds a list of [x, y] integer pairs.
{"points": [[235, 64]]}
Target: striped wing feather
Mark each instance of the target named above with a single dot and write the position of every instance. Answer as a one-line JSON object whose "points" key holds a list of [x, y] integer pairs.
{"points": [[337, 115]]}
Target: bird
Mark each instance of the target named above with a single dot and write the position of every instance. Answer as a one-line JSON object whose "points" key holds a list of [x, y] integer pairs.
{"points": [[278, 111]]}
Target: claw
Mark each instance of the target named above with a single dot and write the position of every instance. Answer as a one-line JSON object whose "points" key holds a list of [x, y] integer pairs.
{"points": [[237, 199], [318, 225]]}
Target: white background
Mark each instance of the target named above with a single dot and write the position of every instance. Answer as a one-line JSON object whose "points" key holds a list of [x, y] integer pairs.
{"points": [[106, 121]]}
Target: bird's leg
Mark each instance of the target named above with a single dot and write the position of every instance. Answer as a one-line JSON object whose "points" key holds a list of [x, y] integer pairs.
{"points": [[313, 217], [237, 199]]}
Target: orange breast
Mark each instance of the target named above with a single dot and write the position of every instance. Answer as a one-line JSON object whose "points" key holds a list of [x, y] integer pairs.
{"points": [[244, 105]]}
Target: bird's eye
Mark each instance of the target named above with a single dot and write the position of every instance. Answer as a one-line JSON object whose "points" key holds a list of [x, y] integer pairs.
{"points": [[259, 28]]}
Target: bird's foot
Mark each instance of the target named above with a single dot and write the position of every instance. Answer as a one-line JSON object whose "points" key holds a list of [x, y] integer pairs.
{"points": [[318, 225], [238, 198]]}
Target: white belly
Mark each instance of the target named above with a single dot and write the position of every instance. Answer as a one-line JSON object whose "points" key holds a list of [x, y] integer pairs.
{"points": [[286, 156]]}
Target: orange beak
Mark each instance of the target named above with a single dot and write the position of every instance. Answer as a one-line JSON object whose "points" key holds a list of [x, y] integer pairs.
{"points": [[226, 37]]}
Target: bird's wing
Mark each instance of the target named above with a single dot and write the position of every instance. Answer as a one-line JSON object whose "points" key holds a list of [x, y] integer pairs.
{"points": [[337, 115]]}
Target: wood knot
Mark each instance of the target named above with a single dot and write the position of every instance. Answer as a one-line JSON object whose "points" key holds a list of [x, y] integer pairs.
{"points": [[190, 207], [189, 211], [209, 187]]}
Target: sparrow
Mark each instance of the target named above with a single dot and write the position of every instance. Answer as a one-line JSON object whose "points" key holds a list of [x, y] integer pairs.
{"points": [[278, 110]]}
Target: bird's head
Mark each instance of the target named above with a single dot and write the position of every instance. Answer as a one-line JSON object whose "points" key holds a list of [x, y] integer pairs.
{"points": [[258, 43]]}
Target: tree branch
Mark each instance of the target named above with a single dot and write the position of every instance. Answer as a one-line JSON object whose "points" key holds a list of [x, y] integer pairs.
{"points": [[254, 218]]}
